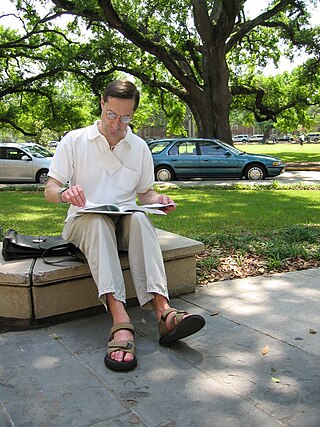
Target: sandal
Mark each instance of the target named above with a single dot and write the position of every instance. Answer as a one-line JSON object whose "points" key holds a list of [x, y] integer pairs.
{"points": [[126, 346], [181, 326]]}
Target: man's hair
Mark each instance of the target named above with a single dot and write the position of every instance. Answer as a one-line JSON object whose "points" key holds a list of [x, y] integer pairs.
{"points": [[122, 89]]}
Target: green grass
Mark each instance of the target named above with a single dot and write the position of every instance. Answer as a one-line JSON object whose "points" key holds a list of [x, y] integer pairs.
{"points": [[277, 224], [286, 152], [29, 213], [205, 211], [202, 211]]}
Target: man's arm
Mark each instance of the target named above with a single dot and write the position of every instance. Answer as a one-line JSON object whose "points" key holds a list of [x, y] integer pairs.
{"points": [[152, 196], [73, 195]]}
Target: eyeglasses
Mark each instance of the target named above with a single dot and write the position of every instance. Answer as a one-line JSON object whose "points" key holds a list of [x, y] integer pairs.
{"points": [[123, 119]]}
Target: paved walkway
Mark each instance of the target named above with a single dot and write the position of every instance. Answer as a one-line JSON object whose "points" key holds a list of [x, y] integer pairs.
{"points": [[55, 376]]}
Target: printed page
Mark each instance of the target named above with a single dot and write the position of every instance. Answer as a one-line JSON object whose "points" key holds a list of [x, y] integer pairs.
{"points": [[112, 209]]}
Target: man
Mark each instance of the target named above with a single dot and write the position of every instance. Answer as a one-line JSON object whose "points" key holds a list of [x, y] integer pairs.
{"points": [[107, 163]]}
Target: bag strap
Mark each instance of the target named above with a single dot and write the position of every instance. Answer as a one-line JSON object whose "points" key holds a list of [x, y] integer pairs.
{"points": [[74, 254]]}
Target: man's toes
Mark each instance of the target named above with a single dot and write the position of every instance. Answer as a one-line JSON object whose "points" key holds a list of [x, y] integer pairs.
{"points": [[121, 356], [128, 357], [117, 356]]}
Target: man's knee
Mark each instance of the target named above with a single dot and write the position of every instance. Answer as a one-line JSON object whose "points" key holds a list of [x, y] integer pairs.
{"points": [[141, 220]]}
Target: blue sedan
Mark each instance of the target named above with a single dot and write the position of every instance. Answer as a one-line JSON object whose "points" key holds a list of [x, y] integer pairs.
{"points": [[209, 158]]}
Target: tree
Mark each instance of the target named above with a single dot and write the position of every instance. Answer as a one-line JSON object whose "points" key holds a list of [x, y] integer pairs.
{"points": [[194, 46], [283, 101], [38, 88], [204, 53]]}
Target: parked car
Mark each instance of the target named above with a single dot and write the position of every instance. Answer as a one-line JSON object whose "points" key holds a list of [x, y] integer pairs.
{"points": [[313, 137], [36, 149], [240, 138], [53, 144], [209, 158], [19, 164], [256, 138], [148, 140], [284, 138]]}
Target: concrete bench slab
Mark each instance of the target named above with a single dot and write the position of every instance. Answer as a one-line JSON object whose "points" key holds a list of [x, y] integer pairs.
{"points": [[32, 291]]}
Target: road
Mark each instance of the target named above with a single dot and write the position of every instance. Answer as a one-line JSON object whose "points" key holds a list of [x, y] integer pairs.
{"points": [[288, 177]]}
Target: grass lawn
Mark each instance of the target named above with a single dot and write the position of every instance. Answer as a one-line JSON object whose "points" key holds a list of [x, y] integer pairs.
{"points": [[286, 152], [245, 230]]}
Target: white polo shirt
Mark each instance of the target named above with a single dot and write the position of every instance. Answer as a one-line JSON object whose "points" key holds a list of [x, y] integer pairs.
{"points": [[84, 157]]}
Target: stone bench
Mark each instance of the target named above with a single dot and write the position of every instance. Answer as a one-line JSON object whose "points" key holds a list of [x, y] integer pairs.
{"points": [[32, 292]]}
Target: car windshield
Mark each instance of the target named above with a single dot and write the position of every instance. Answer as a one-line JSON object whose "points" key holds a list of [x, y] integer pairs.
{"points": [[233, 150], [158, 146], [38, 151]]}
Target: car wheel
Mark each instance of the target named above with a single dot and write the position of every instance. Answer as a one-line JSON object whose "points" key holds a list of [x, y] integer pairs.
{"points": [[255, 172], [42, 177], [164, 173]]}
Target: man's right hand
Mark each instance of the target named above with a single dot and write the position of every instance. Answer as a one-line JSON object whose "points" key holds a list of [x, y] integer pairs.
{"points": [[75, 196]]}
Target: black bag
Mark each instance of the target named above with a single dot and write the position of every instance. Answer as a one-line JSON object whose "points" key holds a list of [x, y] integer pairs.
{"points": [[21, 246]]}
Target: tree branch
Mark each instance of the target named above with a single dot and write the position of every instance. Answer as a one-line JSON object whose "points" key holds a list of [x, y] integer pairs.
{"points": [[15, 126], [248, 26]]}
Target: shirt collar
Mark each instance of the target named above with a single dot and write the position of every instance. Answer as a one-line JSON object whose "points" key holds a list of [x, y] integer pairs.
{"points": [[93, 133]]}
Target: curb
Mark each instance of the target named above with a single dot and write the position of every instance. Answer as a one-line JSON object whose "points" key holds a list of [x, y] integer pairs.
{"points": [[303, 168]]}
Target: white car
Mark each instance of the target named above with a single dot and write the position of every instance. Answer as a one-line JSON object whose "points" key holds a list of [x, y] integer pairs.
{"points": [[240, 138], [19, 164], [256, 138], [53, 144], [36, 150], [313, 137]]}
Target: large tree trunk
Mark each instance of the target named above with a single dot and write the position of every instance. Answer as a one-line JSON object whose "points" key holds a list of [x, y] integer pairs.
{"points": [[212, 112], [211, 106]]}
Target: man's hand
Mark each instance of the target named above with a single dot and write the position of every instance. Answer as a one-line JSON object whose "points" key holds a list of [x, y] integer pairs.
{"points": [[75, 196], [164, 199]]}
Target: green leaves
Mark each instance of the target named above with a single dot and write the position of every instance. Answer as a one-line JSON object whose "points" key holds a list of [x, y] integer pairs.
{"points": [[185, 52]]}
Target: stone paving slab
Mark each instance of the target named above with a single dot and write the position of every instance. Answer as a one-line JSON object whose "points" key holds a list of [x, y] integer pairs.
{"points": [[219, 377], [44, 385], [164, 390], [285, 306]]}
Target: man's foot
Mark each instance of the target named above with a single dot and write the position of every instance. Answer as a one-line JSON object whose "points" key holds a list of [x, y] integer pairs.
{"points": [[121, 348], [177, 324]]}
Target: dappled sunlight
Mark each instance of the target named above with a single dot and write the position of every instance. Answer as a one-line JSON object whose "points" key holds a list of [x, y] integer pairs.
{"points": [[266, 301], [221, 210], [243, 308], [46, 362], [307, 292], [30, 213]]}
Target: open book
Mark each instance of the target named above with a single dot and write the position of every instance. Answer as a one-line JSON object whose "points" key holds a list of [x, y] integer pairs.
{"points": [[111, 209]]}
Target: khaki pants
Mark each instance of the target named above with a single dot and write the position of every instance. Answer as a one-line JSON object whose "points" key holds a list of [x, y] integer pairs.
{"points": [[100, 237]]}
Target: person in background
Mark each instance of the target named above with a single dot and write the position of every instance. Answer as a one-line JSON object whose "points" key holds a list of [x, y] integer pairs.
{"points": [[107, 163]]}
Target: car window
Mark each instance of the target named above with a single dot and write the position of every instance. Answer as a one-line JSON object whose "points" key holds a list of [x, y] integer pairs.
{"points": [[183, 148], [209, 148], [14, 153], [2, 153], [157, 147], [38, 152]]}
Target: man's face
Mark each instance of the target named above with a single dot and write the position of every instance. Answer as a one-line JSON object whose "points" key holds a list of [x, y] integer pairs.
{"points": [[113, 129]]}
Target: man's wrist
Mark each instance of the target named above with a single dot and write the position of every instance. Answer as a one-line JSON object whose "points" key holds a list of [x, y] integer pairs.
{"points": [[60, 192]]}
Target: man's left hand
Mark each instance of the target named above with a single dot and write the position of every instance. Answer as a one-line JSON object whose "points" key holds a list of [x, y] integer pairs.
{"points": [[164, 199]]}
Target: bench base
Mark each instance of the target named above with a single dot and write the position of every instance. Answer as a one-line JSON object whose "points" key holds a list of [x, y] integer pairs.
{"points": [[32, 292]]}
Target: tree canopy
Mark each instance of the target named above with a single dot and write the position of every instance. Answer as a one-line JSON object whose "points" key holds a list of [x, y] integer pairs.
{"points": [[204, 54]]}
